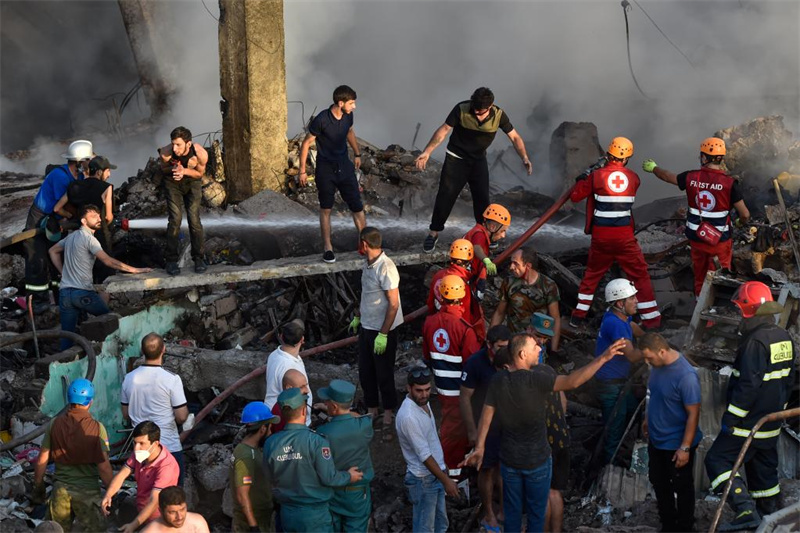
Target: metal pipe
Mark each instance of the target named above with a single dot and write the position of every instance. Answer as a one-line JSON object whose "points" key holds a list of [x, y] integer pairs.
{"points": [[422, 311], [91, 366], [772, 417]]}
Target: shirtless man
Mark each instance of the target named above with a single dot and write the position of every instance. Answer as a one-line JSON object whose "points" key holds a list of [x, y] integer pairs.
{"points": [[183, 164], [174, 515]]}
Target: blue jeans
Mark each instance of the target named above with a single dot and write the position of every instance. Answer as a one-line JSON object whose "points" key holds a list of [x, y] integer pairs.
{"points": [[427, 497], [529, 486], [607, 394], [72, 304]]}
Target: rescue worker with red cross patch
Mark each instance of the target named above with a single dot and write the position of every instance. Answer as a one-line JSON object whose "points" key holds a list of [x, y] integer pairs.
{"points": [[610, 191], [711, 194], [447, 342]]}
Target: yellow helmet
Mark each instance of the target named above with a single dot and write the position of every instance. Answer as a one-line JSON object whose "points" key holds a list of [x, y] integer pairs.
{"points": [[462, 249], [498, 213], [620, 147], [713, 146], [452, 287]]}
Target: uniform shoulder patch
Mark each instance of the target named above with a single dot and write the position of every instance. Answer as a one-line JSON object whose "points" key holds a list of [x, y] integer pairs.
{"points": [[326, 452], [780, 352]]}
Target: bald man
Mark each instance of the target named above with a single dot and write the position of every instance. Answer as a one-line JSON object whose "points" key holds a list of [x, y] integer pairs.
{"points": [[292, 379]]}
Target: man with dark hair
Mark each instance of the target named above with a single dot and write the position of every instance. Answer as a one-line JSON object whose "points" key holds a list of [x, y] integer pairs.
{"points": [[284, 358], [426, 473], [670, 425], [153, 468], [252, 506], [478, 371], [78, 445], [379, 315], [175, 517], [519, 396], [525, 292], [80, 249], [299, 464], [711, 193], [332, 130], [350, 436], [183, 163], [474, 124], [151, 392]]}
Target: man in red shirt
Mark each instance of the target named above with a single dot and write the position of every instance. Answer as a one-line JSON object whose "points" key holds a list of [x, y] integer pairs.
{"points": [[447, 342], [610, 192], [711, 194]]}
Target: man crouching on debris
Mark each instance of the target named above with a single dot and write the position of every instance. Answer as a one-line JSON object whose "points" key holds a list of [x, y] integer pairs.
{"points": [[80, 249], [333, 130], [519, 396], [183, 164], [670, 426], [78, 445]]}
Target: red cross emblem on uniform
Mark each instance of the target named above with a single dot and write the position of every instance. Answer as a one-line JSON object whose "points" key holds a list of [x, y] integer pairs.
{"points": [[706, 201], [441, 340], [617, 181]]}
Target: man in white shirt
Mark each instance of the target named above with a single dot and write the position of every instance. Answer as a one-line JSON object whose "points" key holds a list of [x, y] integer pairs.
{"points": [[426, 478], [287, 357], [152, 393]]}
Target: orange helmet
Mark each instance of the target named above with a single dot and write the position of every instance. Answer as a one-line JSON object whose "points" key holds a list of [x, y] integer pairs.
{"points": [[713, 146], [620, 147], [498, 213], [452, 287], [462, 249], [750, 296]]}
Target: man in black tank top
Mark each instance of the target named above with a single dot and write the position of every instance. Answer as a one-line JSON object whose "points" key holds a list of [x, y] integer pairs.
{"points": [[183, 164]]}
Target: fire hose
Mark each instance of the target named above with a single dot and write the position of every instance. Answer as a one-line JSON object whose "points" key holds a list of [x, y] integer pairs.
{"points": [[91, 366], [772, 417], [422, 311]]}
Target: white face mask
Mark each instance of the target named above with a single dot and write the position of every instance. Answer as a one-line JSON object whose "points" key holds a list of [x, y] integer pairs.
{"points": [[142, 455]]}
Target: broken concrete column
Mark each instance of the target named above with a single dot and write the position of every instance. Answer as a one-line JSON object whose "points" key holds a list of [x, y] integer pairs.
{"points": [[574, 146], [253, 89]]}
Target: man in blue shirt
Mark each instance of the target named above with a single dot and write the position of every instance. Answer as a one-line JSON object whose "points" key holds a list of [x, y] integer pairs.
{"points": [[333, 130], [673, 412], [40, 275], [611, 378]]}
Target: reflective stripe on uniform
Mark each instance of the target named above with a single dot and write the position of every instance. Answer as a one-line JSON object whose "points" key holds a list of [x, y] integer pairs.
{"points": [[722, 478], [694, 227], [644, 305], [37, 287], [648, 316], [582, 307], [739, 432], [615, 199], [582, 296], [708, 214], [445, 357], [774, 491], [447, 373], [741, 413], [777, 374], [611, 214]]}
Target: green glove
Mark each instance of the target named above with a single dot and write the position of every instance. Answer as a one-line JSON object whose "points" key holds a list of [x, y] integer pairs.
{"points": [[380, 343], [648, 165], [353, 327], [491, 268], [739, 223]]}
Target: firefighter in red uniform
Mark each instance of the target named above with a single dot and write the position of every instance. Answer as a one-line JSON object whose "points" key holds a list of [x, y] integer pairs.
{"points": [[711, 195], [447, 342], [761, 383], [610, 191], [461, 255]]}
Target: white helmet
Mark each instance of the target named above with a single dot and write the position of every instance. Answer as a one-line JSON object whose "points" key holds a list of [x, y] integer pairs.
{"points": [[619, 289], [78, 151]]}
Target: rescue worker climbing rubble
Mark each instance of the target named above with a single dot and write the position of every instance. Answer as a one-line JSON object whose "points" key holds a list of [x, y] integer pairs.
{"points": [[610, 192], [761, 382], [447, 342], [711, 194]]}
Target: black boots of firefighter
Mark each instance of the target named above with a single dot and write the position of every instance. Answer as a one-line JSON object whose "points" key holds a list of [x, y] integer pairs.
{"points": [[746, 515]]}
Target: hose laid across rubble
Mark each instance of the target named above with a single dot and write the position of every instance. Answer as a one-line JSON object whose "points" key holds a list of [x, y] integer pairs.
{"points": [[81, 341], [422, 311]]}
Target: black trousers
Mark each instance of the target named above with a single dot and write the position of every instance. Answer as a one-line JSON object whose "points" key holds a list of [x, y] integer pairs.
{"points": [[676, 514], [186, 193], [40, 274], [455, 174], [376, 372]]}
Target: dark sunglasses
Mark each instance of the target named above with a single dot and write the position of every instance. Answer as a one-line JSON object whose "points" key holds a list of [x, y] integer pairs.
{"points": [[422, 372]]}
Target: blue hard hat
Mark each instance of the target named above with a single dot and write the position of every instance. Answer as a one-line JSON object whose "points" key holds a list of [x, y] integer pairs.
{"points": [[258, 412], [81, 392]]}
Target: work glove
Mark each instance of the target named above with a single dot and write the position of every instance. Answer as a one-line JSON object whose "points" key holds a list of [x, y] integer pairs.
{"points": [[491, 268], [648, 165], [380, 343], [353, 327]]}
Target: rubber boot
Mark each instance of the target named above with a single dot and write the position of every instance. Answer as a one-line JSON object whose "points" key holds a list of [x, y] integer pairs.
{"points": [[744, 507], [767, 506]]}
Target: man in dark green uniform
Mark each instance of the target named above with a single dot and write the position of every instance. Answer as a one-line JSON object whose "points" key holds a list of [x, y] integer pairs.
{"points": [[350, 437], [299, 463], [252, 505]]}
